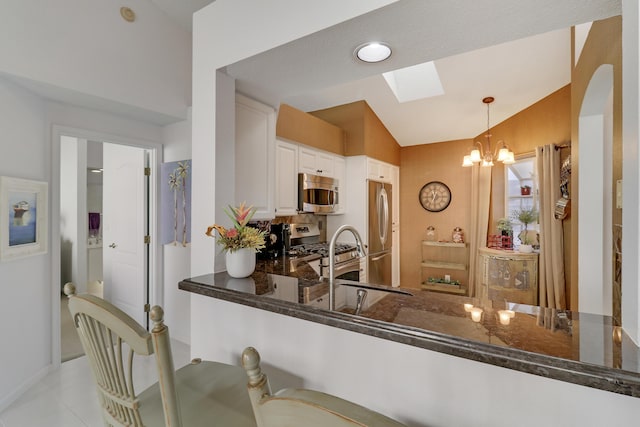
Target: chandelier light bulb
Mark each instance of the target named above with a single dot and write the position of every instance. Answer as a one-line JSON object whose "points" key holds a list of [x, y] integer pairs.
{"points": [[503, 154], [466, 162], [475, 156]]}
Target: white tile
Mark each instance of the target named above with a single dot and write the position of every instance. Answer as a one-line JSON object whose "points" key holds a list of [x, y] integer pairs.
{"points": [[67, 396]]}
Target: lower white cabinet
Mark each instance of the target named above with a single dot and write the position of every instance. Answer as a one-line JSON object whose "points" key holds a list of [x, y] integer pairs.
{"points": [[284, 287], [323, 301], [286, 171]]}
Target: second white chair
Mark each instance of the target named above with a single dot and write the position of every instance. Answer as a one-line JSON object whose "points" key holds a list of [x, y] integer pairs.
{"points": [[301, 407]]}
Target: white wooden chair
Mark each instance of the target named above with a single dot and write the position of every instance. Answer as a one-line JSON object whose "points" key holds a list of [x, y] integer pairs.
{"points": [[299, 407], [201, 393]]}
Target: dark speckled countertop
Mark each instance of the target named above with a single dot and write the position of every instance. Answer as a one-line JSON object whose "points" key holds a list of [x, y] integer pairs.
{"points": [[550, 343]]}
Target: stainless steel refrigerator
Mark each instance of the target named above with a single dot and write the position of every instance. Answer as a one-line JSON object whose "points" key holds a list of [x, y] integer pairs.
{"points": [[379, 244]]}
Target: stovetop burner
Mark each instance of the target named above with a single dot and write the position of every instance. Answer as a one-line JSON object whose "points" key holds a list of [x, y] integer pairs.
{"points": [[321, 249]]}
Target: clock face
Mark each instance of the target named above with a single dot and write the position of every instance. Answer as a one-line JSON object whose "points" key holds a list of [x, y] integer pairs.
{"points": [[435, 196]]}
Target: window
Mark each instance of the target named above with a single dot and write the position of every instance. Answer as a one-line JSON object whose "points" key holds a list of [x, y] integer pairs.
{"points": [[521, 193]]}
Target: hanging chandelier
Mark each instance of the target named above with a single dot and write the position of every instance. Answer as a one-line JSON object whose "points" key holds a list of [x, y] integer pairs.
{"points": [[486, 156]]}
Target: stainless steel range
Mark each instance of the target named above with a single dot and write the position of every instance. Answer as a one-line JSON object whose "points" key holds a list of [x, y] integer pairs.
{"points": [[305, 242]]}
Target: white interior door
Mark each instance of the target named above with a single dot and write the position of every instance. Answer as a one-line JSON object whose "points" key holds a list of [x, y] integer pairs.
{"points": [[125, 226]]}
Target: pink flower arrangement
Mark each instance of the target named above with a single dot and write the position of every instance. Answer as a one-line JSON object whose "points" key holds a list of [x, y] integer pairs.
{"points": [[241, 235]]}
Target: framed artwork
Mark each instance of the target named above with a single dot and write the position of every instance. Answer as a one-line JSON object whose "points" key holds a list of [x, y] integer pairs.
{"points": [[175, 203], [23, 217]]}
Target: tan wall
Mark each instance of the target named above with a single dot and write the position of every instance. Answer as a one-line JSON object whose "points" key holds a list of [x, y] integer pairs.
{"points": [[419, 165], [298, 126], [603, 46], [546, 122], [365, 133]]}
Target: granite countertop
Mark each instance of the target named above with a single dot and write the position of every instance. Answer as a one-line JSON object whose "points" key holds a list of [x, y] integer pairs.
{"points": [[556, 344]]}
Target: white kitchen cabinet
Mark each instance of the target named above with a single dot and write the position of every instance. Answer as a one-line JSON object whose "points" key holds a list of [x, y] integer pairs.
{"points": [[285, 288], [379, 171], [323, 301], [395, 226], [340, 173], [315, 162], [286, 202], [254, 156]]}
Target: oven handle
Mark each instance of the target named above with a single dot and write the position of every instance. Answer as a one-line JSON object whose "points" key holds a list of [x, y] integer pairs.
{"points": [[342, 267]]}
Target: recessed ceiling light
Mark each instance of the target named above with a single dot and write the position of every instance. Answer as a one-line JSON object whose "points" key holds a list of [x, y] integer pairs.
{"points": [[373, 52]]}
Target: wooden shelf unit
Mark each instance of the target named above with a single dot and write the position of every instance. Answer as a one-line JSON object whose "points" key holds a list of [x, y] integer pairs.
{"points": [[444, 258]]}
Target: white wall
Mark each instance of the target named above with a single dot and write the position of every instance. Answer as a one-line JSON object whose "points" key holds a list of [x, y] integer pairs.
{"points": [[415, 386], [177, 304], [631, 169], [31, 285], [25, 306], [145, 64]]}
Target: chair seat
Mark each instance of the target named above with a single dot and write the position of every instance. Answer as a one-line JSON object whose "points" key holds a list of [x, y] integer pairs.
{"points": [[209, 393], [289, 406]]}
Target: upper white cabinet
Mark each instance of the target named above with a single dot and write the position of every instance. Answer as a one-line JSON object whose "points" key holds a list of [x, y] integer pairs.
{"points": [[286, 202], [254, 156], [379, 171], [340, 173], [315, 162]]}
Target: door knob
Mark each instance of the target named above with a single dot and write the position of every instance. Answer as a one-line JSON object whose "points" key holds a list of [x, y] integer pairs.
{"points": [[113, 245]]}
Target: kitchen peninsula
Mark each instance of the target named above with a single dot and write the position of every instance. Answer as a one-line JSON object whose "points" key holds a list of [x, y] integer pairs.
{"points": [[549, 343]]}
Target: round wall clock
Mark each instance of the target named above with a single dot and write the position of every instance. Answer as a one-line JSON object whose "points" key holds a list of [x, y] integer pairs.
{"points": [[435, 196]]}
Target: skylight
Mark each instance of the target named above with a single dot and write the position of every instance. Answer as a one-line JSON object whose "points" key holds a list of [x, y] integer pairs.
{"points": [[415, 82]]}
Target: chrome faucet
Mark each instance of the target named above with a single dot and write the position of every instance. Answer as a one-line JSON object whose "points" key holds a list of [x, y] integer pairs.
{"points": [[332, 259]]}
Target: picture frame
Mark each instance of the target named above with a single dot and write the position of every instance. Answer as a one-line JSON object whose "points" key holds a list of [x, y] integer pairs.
{"points": [[23, 218]]}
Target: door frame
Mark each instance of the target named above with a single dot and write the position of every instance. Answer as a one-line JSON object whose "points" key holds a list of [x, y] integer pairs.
{"points": [[156, 296]]}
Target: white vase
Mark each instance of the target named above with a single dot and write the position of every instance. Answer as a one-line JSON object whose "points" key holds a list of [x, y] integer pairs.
{"points": [[525, 249], [240, 263]]}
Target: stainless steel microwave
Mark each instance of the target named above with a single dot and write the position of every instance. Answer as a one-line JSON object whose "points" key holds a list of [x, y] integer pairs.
{"points": [[318, 194]]}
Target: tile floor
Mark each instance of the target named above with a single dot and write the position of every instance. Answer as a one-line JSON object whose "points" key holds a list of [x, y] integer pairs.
{"points": [[67, 397]]}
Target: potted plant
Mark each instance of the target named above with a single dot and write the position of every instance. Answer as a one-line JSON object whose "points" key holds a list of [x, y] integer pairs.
{"points": [[525, 216], [240, 242]]}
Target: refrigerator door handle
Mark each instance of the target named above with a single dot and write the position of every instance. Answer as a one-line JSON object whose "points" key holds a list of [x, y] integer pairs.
{"points": [[379, 257], [384, 217]]}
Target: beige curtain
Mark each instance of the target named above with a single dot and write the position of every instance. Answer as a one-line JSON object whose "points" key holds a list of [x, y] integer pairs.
{"points": [[551, 263], [480, 203]]}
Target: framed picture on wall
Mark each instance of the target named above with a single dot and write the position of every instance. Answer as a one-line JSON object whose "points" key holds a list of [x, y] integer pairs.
{"points": [[23, 217]]}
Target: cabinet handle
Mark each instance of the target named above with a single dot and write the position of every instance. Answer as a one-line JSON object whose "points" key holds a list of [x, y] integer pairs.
{"points": [[319, 170], [381, 176]]}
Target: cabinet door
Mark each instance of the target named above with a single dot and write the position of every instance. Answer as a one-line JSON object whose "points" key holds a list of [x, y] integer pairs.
{"points": [[254, 156], [339, 172], [315, 162], [395, 257], [395, 196], [286, 202], [307, 160], [378, 171], [325, 164]]}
